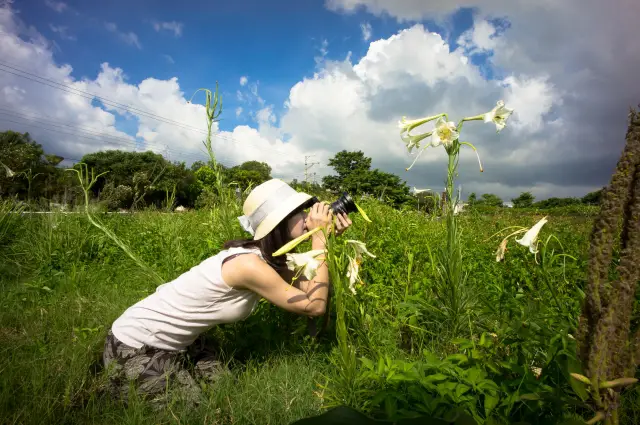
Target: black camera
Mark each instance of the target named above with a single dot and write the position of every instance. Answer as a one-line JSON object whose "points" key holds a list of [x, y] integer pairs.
{"points": [[344, 204]]}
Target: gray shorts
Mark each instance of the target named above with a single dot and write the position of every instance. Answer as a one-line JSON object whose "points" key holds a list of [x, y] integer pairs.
{"points": [[154, 371]]}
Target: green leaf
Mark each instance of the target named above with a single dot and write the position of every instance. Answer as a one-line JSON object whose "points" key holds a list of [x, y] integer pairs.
{"points": [[474, 375], [435, 378], [457, 357], [367, 363], [530, 396], [490, 401], [483, 339], [488, 385], [461, 389]]}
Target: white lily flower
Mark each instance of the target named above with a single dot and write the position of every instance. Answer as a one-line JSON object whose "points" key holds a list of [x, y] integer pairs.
{"points": [[501, 250], [498, 115], [405, 131], [8, 170], [360, 248], [445, 133], [306, 261], [406, 125], [413, 141], [353, 273], [529, 239]]}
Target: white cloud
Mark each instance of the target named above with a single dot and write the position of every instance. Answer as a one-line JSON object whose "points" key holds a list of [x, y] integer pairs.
{"points": [[72, 125], [568, 97], [480, 38], [250, 95], [238, 111], [324, 50], [173, 26], [129, 38], [366, 31], [58, 6], [532, 99], [169, 59], [62, 32]]}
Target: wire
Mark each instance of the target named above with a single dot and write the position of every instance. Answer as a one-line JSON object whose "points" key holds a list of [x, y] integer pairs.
{"points": [[193, 156], [84, 130], [90, 96]]}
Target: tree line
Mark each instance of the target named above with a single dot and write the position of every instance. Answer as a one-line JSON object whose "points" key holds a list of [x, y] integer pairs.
{"points": [[527, 200], [144, 179]]}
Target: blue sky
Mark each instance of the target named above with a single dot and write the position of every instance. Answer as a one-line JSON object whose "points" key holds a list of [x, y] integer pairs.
{"points": [[272, 43], [570, 85]]}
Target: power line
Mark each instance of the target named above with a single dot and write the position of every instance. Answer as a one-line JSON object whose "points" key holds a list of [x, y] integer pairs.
{"points": [[87, 131], [87, 95], [192, 156], [90, 96]]}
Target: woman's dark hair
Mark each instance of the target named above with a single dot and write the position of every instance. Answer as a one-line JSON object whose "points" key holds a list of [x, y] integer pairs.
{"points": [[272, 241]]}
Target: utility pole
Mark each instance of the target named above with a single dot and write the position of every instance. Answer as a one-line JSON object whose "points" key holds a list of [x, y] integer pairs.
{"points": [[165, 153], [307, 167]]}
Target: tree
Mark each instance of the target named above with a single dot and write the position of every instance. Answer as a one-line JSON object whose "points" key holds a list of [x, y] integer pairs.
{"points": [[33, 174], [249, 173], [592, 198], [490, 199], [352, 168], [524, 200], [151, 178], [556, 202], [472, 199], [197, 165], [386, 187]]}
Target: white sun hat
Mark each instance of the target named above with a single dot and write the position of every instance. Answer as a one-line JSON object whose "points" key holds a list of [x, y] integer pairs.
{"points": [[267, 205]]}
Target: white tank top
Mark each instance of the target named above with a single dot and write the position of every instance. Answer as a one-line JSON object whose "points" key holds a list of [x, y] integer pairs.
{"points": [[178, 311]]}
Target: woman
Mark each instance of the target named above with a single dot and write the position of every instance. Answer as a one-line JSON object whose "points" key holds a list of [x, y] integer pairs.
{"points": [[151, 340]]}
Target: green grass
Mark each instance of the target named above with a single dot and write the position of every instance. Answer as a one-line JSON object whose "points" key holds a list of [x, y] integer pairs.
{"points": [[63, 282]]}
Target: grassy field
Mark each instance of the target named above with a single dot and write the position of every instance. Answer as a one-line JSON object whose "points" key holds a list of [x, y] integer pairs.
{"points": [[475, 347]]}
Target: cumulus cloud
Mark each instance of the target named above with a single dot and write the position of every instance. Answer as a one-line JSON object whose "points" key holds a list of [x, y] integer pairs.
{"points": [[72, 122], [243, 80], [129, 38], [571, 98], [238, 111], [366, 31], [173, 26]]}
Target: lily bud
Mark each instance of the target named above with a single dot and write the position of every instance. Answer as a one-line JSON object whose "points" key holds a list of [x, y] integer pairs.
{"points": [[581, 378], [620, 382]]}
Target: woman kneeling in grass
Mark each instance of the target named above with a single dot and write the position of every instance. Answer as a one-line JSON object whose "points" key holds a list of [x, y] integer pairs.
{"points": [[151, 341]]}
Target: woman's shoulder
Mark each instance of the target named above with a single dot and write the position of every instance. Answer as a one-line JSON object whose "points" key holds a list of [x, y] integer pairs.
{"points": [[240, 268]]}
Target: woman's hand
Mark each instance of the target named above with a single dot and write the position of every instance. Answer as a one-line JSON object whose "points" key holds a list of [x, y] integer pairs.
{"points": [[319, 216], [342, 223]]}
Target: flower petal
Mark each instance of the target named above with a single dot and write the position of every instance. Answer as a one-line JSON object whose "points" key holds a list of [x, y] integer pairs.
{"points": [[501, 249], [530, 237], [360, 248]]}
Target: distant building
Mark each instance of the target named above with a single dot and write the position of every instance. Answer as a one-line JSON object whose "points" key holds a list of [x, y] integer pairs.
{"points": [[459, 207], [507, 204]]}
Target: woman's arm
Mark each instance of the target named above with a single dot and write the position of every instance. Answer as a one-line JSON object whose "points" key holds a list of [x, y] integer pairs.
{"points": [[250, 272], [343, 222]]}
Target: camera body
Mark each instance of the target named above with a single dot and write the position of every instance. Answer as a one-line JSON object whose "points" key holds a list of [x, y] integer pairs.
{"points": [[344, 204]]}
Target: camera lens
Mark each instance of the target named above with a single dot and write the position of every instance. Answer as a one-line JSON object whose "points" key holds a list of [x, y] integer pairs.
{"points": [[344, 204]]}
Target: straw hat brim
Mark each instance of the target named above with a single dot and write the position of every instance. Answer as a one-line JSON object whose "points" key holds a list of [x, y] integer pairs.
{"points": [[273, 219]]}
